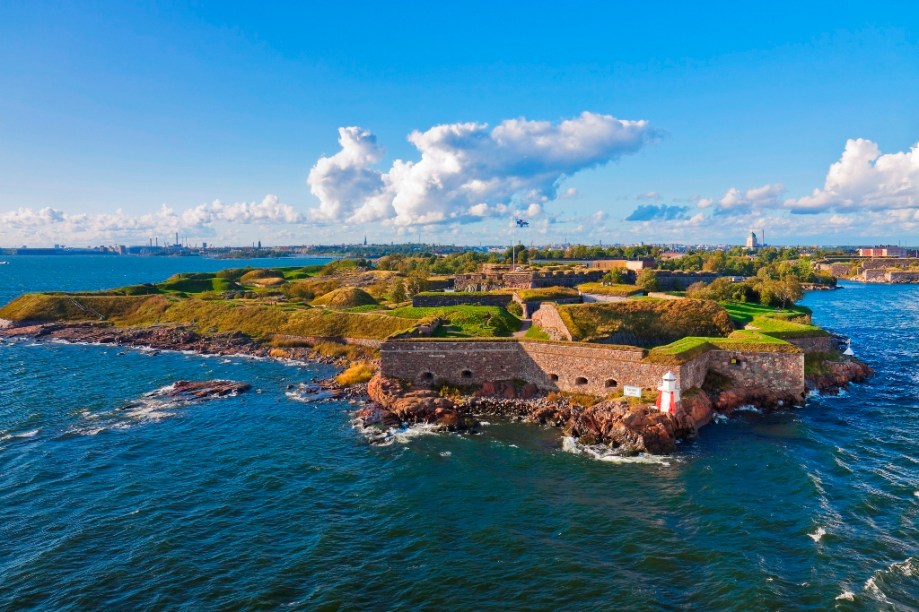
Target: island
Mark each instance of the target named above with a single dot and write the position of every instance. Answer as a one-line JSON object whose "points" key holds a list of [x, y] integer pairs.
{"points": [[614, 352]]}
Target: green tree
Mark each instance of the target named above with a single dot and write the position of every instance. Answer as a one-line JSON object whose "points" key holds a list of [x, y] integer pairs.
{"points": [[647, 280], [397, 291]]}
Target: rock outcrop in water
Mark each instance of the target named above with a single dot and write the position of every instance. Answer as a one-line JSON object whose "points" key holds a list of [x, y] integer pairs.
{"points": [[206, 388], [617, 423]]}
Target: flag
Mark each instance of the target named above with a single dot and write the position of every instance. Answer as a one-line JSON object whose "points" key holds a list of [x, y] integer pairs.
{"points": [[522, 223]]}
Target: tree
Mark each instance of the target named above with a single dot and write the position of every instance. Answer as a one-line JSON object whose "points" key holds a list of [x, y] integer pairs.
{"points": [[417, 282], [647, 280], [397, 291], [614, 276]]}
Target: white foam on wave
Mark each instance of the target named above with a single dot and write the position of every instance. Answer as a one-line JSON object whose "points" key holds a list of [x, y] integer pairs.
{"points": [[394, 435], [445, 453], [599, 452], [23, 435], [748, 408], [906, 568], [846, 596], [817, 535], [718, 418]]}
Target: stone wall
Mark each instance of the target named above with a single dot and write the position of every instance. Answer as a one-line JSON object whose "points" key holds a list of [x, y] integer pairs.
{"points": [[579, 367], [775, 373], [550, 321], [458, 298], [818, 344], [902, 277]]}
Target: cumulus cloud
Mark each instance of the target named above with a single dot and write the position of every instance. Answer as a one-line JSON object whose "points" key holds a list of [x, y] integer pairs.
{"points": [[737, 202], [50, 224], [865, 179], [466, 171], [662, 212]]}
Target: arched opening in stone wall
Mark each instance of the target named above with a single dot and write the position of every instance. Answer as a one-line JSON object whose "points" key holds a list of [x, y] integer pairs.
{"points": [[427, 376], [553, 377], [466, 374], [610, 383], [580, 380]]}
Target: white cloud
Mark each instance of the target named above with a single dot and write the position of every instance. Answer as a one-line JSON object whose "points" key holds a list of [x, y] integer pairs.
{"points": [[48, 225], [466, 170], [865, 179], [737, 202]]}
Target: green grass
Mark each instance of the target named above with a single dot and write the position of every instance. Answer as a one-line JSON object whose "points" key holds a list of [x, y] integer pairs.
{"points": [[466, 321], [613, 290], [687, 349], [546, 293], [785, 329], [199, 282], [645, 323], [344, 298], [745, 312], [536, 333]]}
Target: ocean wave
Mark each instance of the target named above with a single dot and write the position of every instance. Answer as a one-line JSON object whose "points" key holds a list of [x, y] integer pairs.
{"points": [[394, 435], [600, 452], [22, 435], [896, 584], [718, 418], [817, 535], [748, 408], [846, 596]]}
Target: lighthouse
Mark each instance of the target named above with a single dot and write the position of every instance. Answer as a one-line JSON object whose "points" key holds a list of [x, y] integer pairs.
{"points": [[668, 394]]}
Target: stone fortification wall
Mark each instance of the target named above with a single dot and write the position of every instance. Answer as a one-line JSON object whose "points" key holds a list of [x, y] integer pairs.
{"points": [[818, 344], [902, 277], [888, 262], [494, 277], [677, 281], [873, 275], [590, 298], [774, 373], [559, 278], [550, 321], [459, 298], [579, 367]]}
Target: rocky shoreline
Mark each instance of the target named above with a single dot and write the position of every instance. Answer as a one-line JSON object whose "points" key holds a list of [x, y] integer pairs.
{"points": [[162, 337], [627, 426]]}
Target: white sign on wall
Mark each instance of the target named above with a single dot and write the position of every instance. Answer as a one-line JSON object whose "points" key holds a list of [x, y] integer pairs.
{"points": [[629, 390]]}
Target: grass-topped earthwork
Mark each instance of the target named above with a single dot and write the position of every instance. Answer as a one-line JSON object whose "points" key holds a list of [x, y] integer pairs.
{"points": [[465, 321], [345, 298], [546, 294], [613, 290], [645, 323], [745, 312]]}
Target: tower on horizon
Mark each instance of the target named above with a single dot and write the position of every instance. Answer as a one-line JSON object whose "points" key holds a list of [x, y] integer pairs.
{"points": [[752, 241]]}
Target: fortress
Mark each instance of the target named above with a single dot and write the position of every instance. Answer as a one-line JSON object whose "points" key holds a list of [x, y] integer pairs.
{"points": [[580, 367]]}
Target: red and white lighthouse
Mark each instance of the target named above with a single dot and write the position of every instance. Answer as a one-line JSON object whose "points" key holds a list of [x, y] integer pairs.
{"points": [[668, 394]]}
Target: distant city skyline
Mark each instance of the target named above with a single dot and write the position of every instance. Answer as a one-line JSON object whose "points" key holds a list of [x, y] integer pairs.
{"points": [[325, 124]]}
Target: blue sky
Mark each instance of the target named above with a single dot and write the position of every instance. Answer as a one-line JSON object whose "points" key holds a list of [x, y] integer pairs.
{"points": [[696, 123]]}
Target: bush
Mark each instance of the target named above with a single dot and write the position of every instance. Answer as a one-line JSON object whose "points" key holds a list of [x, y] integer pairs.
{"points": [[358, 373], [515, 309], [647, 280]]}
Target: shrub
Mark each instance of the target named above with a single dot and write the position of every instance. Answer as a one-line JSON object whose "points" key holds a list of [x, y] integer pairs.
{"points": [[515, 309], [357, 373]]}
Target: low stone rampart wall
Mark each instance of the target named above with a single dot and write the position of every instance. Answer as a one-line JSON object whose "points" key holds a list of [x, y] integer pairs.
{"points": [[677, 281], [579, 367], [550, 321], [818, 344], [903, 277], [460, 298]]}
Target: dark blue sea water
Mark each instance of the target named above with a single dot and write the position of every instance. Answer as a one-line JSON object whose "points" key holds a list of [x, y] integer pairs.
{"points": [[265, 501]]}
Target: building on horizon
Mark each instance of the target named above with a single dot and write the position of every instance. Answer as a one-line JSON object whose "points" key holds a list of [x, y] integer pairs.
{"points": [[882, 251], [752, 241]]}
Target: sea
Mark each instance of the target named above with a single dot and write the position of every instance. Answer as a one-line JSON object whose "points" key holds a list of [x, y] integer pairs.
{"points": [[111, 498]]}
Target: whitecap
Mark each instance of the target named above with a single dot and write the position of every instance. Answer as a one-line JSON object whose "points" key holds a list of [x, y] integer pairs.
{"points": [[718, 418], [23, 435], [484, 423], [846, 596], [394, 435], [445, 453], [748, 408], [817, 535], [600, 452]]}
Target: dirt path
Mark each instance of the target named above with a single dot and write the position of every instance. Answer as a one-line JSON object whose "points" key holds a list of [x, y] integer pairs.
{"points": [[524, 326]]}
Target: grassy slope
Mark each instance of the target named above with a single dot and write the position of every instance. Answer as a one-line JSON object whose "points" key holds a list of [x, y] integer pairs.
{"points": [[482, 321], [253, 318], [614, 290], [646, 322]]}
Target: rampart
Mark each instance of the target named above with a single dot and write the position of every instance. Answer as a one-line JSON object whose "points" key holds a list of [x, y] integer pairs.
{"points": [[497, 276], [579, 367], [676, 280], [461, 298]]}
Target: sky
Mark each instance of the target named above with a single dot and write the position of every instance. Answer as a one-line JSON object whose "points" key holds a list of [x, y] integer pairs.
{"points": [[323, 123]]}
